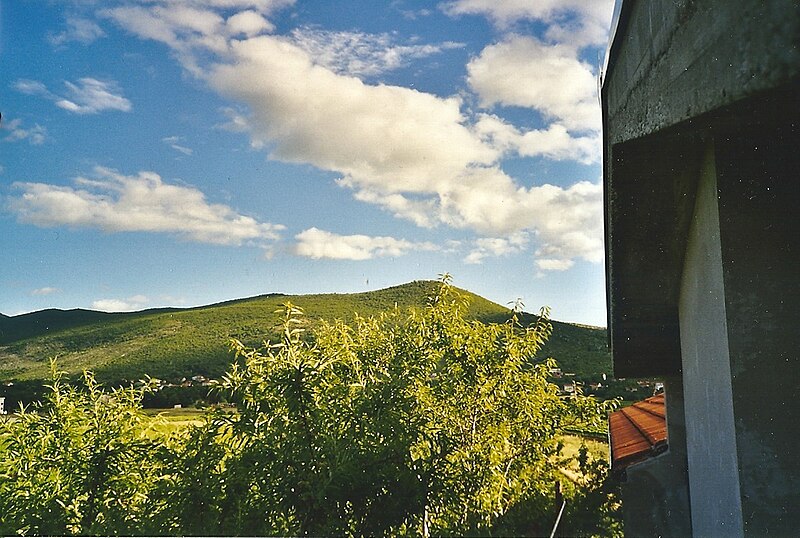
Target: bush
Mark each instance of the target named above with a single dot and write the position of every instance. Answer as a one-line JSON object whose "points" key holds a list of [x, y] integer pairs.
{"points": [[80, 463], [419, 423], [402, 424]]}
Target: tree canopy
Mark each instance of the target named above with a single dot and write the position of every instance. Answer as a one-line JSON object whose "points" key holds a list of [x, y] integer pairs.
{"points": [[406, 423]]}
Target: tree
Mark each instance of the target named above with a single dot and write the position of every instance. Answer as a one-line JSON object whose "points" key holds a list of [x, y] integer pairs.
{"points": [[82, 462], [407, 423], [419, 422]]}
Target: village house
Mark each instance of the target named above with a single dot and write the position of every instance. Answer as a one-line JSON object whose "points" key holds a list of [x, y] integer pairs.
{"points": [[701, 156]]}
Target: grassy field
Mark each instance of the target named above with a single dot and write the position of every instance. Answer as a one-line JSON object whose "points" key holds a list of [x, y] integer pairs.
{"points": [[167, 421], [598, 450], [572, 444]]}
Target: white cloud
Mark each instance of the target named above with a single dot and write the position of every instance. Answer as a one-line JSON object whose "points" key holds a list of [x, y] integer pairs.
{"points": [[31, 87], [90, 96], [525, 72], [554, 142], [497, 246], [137, 302], [373, 134], [320, 244], [237, 122], [361, 54], [45, 291], [78, 29], [143, 203], [248, 23], [412, 153], [262, 6], [580, 22], [413, 15], [182, 149], [554, 264], [416, 155], [172, 141], [36, 135]]}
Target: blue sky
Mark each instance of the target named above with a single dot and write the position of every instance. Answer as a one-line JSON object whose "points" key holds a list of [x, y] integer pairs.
{"points": [[183, 152]]}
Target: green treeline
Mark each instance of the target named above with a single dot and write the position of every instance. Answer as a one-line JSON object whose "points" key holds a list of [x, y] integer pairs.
{"points": [[406, 423]]}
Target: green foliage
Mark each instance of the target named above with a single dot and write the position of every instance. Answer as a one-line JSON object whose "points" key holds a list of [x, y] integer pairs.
{"points": [[594, 508], [419, 421], [81, 463], [171, 343]]}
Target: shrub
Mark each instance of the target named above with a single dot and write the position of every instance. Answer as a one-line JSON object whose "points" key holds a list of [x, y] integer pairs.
{"points": [[417, 423], [410, 423], [79, 463]]}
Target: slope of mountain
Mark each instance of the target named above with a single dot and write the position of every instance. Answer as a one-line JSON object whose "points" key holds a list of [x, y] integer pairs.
{"points": [[175, 343]]}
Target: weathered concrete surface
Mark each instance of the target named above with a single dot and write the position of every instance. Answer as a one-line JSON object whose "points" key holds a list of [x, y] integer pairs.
{"points": [[676, 60], [716, 303], [680, 72], [759, 196], [648, 208], [708, 399], [655, 496]]}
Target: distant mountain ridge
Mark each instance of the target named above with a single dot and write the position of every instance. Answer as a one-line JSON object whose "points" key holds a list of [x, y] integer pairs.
{"points": [[174, 343]]}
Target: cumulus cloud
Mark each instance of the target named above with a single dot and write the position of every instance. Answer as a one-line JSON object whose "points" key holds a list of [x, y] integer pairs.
{"points": [[78, 29], [558, 85], [359, 53], [318, 244], [113, 202], [187, 26], [248, 23], [581, 22], [416, 155], [45, 291], [555, 142], [137, 302], [410, 152], [375, 135], [87, 96], [497, 246], [35, 135]]}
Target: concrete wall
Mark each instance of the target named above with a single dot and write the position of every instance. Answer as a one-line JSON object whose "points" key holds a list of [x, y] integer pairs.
{"points": [[655, 495], [674, 60], [739, 312], [759, 200], [703, 249], [708, 398]]}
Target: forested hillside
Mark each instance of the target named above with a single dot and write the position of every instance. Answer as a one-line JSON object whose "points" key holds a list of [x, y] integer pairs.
{"points": [[177, 343]]}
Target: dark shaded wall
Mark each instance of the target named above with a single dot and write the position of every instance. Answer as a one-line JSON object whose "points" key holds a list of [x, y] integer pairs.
{"points": [[701, 165], [655, 495], [759, 200]]}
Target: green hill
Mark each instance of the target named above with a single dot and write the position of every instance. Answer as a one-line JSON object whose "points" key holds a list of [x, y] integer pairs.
{"points": [[175, 343]]}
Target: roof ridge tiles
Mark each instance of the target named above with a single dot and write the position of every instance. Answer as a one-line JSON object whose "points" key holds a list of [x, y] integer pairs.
{"points": [[638, 431], [643, 431]]}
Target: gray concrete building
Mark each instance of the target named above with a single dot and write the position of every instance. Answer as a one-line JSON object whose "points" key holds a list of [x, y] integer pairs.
{"points": [[701, 111]]}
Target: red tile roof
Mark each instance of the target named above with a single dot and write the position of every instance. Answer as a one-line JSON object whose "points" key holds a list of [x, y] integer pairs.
{"points": [[637, 432]]}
